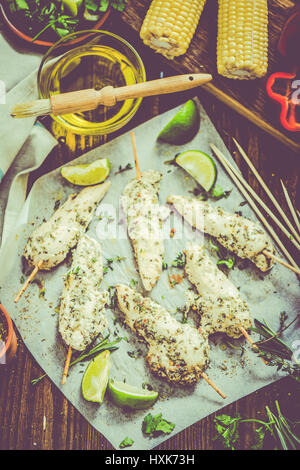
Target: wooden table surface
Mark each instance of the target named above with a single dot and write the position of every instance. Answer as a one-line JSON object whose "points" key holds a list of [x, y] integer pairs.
{"points": [[23, 406]]}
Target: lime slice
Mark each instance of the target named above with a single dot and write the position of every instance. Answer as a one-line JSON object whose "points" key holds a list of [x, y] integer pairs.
{"points": [[87, 175], [72, 6], [95, 379], [123, 394], [200, 166], [183, 126]]}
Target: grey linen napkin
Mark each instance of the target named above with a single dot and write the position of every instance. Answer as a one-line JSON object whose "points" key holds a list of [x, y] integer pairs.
{"points": [[24, 145]]}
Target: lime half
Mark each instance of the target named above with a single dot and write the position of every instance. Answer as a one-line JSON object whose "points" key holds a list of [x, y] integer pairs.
{"points": [[123, 394], [87, 175], [200, 166], [95, 379], [183, 126]]}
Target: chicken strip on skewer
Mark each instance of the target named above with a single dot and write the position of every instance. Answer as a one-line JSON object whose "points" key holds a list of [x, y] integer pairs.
{"points": [[144, 222], [81, 316], [242, 236], [177, 351], [50, 243], [219, 302]]}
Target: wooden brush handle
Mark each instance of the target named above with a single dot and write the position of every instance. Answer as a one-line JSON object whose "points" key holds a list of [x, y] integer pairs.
{"points": [[109, 96], [87, 100]]}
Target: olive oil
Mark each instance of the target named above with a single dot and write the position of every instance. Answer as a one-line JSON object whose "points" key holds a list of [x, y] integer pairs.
{"points": [[92, 66]]}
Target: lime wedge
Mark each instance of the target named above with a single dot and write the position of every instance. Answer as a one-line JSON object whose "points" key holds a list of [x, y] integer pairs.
{"points": [[72, 6], [95, 379], [87, 175], [183, 126], [200, 166], [123, 394]]}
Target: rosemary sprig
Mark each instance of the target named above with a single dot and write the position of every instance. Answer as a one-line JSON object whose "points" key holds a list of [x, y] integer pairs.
{"points": [[89, 354], [274, 350], [125, 168], [109, 261]]}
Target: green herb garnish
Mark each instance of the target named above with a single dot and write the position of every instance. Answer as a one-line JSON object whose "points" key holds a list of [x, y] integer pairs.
{"points": [[225, 256], [110, 261], [274, 350], [155, 425], [54, 20], [179, 261], [127, 442], [218, 192], [90, 353], [125, 168], [279, 428], [229, 263]]}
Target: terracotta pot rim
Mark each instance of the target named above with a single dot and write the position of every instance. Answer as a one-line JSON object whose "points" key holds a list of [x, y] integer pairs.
{"points": [[38, 42], [10, 330]]}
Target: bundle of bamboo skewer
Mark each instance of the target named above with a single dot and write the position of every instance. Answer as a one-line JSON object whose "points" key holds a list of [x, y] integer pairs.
{"points": [[290, 231]]}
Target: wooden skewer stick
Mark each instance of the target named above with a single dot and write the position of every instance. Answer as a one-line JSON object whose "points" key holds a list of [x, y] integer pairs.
{"points": [[250, 341], [263, 205], [291, 207], [265, 187], [280, 261], [67, 365], [136, 160], [224, 162], [211, 383], [28, 281]]}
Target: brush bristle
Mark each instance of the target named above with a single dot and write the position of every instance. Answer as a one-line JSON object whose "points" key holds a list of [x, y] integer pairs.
{"points": [[33, 109]]}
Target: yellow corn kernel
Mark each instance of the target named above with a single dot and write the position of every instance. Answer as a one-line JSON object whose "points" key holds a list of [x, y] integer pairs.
{"points": [[242, 49], [169, 25]]}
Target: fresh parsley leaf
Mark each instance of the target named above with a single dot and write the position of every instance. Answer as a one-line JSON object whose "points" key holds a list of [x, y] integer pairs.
{"points": [[259, 436], [118, 5], [179, 261], [218, 192], [279, 429], [227, 428], [155, 425], [229, 263], [127, 442], [133, 283]]}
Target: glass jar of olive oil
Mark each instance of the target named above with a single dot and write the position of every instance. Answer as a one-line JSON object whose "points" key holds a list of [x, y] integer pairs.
{"points": [[92, 59]]}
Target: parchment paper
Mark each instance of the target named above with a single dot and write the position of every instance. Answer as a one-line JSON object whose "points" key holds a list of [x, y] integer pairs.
{"points": [[267, 294]]}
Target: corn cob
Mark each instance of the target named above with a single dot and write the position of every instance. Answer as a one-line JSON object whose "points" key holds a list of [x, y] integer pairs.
{"points": [[169, 25], [242, 50]]}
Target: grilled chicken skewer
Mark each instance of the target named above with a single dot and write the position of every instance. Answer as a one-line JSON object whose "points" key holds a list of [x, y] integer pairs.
{"points": [[81, 315], [51, 242], [238, 234], [177, 352], [144, 223], [219, 302]]}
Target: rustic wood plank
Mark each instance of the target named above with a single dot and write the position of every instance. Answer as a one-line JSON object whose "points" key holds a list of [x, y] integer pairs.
{"points": [[22, 405], [201, 56]]}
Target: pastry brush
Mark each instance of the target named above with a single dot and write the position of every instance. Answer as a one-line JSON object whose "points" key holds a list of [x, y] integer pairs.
{"points": [[89, 99]]}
